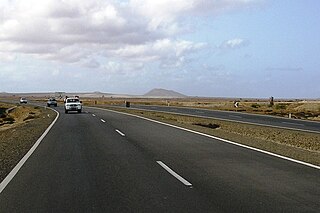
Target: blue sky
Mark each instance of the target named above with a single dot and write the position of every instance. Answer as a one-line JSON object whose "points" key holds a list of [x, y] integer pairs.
{"points": [[217, 48]]}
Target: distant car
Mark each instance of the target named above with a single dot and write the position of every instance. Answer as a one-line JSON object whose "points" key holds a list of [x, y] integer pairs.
{"points": [[23, 101], [72, 104], [52, 102]]}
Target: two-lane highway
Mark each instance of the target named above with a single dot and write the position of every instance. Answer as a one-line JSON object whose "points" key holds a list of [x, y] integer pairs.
{"points": [[263, 120], [102, 161]]}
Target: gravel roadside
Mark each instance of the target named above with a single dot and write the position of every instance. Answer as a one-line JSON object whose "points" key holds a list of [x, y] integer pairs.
{"points": [[16, 139]]}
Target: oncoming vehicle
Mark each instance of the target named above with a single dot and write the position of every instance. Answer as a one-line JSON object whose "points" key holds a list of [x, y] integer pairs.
{"points": [[72, 104], [23, 101], [52, 102]]}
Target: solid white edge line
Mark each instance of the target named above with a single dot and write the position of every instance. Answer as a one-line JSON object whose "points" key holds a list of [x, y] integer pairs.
{"points": [[174, 174], [122, 134], [15, 170], [217, 138], [102, 120]]}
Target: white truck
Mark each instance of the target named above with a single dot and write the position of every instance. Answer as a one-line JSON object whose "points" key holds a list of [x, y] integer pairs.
{"points": [[72, 104]]}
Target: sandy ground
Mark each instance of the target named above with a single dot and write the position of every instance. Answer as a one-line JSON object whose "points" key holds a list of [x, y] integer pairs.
{"points": [[298, 109], [16, 139]]}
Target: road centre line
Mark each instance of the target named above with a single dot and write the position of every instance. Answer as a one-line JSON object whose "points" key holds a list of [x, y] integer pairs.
{"points": [[216, 138], [93, 115], [122, 134], [235, 116], [102, 120], [174, 174]]}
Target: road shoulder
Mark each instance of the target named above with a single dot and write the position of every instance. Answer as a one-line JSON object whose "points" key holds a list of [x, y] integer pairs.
{"points": [[16, 141]]}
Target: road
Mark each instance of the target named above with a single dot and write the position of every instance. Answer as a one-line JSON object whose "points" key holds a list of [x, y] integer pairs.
{"points": [[102, 161], [240, 117], [263, 120]]}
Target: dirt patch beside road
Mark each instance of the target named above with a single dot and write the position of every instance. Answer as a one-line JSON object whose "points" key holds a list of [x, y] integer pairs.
{"points": [[18, 136], [15, 115]]}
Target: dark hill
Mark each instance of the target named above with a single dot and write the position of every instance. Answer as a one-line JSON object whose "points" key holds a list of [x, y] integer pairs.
{"points": [[164, 93]]}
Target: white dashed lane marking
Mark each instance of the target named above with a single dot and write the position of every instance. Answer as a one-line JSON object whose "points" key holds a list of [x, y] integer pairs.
{"points": [[174, 174], [122, 134], [235, 116]]}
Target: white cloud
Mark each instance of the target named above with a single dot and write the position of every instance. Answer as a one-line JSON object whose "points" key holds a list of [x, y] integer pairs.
{"points": [[7, 57], [55, 72], [124, 68], [163, 12], [169, 53], [77, 31], [91, 63], [234, 43]]}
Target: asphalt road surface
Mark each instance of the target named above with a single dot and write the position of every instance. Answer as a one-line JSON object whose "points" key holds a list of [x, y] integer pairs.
{"points": [[296, 124], [102, 161]]}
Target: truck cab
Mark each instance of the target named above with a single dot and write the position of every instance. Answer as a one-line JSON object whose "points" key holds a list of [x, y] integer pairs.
{"points": [[72, 104]]}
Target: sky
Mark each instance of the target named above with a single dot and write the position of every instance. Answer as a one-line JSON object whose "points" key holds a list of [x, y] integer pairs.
{"points": [[211, 48]]}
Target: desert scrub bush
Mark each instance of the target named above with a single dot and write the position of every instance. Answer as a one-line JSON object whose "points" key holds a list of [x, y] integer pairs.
{"points": [[29, 117], [255, 105], [3, 110], [281, 106], [9, 120], [210, 125]]}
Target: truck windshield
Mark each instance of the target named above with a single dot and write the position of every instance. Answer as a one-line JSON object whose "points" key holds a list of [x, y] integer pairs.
{"points": [[73, 100]]}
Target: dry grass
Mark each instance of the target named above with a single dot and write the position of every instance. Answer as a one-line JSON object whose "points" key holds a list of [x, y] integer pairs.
{"points": [[15, 115], [17, 138], [295, 144], [298, 109]]}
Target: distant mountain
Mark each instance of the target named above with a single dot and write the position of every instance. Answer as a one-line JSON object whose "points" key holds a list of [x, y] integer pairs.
{"points": [[159, 93]]}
